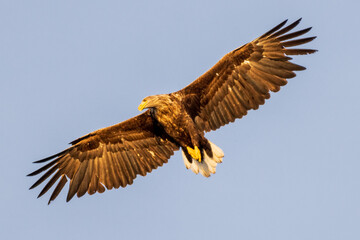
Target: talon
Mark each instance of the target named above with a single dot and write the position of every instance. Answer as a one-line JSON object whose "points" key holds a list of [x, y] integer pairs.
{"points": [[194, 153]]}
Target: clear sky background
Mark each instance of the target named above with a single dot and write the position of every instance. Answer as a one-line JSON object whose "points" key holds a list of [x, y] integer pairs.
{"points": [[291, 168]]}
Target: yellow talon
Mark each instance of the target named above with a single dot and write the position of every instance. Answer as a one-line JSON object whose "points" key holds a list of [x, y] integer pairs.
{"points": [[194, 153]]}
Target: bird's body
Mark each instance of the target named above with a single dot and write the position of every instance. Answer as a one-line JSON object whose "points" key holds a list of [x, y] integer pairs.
{"points": [[172, 116], [242, 80], [177, 123], [170, 113]]}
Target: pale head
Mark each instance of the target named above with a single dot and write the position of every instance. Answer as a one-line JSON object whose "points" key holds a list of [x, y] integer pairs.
{"points": [[154, 101]]}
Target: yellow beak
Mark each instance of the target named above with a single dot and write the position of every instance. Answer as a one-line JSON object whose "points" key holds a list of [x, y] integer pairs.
{"points": [[142, 105]]}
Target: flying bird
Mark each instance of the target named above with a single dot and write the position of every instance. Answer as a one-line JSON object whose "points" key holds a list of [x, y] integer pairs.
{"points": [[113, 156]]}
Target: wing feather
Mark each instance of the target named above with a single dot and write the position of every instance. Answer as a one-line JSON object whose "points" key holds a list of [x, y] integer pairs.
{"points": [[133, 169], [110, 157], [242, 79], [293, 35], [45, 176], [84, 184], [58, 188], [77, 180], [297, 42], [274, 29], [50, 183]]}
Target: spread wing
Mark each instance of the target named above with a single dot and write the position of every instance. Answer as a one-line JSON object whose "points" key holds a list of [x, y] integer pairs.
{"points": [[110, 157], [243, 78]]}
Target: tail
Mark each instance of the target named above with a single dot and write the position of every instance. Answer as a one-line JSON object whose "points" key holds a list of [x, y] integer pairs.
{"points": [[208, 164]]}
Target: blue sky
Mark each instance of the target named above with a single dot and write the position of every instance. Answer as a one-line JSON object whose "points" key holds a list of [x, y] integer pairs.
{"points": [[291, 168]]}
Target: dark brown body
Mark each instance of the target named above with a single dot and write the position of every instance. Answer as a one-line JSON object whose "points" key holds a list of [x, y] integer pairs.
{"points": [[173, 117]]}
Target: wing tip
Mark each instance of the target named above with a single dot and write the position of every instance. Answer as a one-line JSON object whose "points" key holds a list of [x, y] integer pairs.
{"points": [[294, 24], [52, 156], [274, 29], [71, 194], [34, 185], [43, 160]]}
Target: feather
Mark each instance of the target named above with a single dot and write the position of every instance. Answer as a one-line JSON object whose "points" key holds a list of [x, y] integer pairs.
{"points": [[45, 176], [93, 184], [101, 187], [258, 86], [293, 35], [116, 170], [50, 183], [53, 156], [109, 178], [134, 169], [76, 181], [113, 169], [84, 185], [274, 29], [299, 51], [275, 55], [58, 188], [72, 168], [283, 73], [286, 29], [273, 79], [297, 42], [281, 65], [47, 166]]}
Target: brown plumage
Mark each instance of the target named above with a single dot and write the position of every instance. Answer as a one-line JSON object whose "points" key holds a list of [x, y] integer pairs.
{"points": [[242, 80]]}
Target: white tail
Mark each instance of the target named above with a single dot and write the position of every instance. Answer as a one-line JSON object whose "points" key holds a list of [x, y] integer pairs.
{"points": [[207, 165]]}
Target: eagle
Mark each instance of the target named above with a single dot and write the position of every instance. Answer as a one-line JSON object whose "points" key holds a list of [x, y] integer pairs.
{"points": [[113, 156]]}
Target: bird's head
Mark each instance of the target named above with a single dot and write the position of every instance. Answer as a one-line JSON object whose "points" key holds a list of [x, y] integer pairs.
{"points": [[153, 101]]}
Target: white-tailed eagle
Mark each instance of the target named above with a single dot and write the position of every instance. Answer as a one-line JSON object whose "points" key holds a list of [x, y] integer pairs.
{"points": [[113, 156]]}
